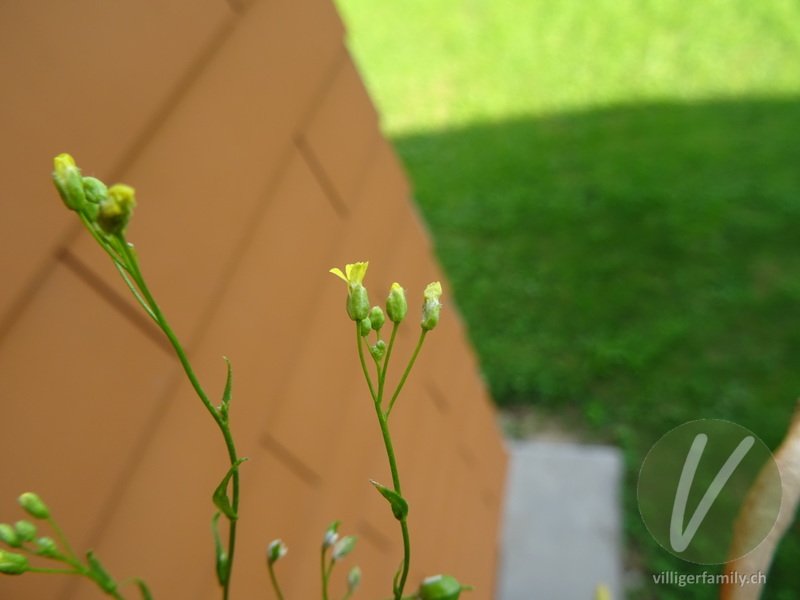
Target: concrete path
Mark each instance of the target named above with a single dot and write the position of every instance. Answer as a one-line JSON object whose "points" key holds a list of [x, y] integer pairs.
{"points": [[562, 526]]}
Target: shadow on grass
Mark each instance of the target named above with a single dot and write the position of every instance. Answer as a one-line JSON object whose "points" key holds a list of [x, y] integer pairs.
{"points": [[637, 265]]}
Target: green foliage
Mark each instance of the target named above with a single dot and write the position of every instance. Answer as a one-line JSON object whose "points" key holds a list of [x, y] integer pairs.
{"points": [[613, 190], [648, 257]]}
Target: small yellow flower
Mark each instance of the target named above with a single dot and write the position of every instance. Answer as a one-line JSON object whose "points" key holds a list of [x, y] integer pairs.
{"points": [[353, 274], [357, 299]]}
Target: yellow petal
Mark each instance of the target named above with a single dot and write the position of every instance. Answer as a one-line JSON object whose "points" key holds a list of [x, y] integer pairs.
{"points": [[338, 273], [356, 272], [433, 291]]}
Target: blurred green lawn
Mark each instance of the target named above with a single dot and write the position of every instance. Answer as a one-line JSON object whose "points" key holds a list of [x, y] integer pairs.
{"points": [[613, 188]]}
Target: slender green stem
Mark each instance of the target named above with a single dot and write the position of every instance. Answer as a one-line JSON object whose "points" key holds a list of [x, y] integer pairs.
{"points": [[133, 268], [388, 355], [71, 557], [79, 570], [324, 572], [387, 442], [135, 292], [406, 557], [100, 239], [407, 371], [359, 342], [60, 571], [146, 595], [274, 580]]}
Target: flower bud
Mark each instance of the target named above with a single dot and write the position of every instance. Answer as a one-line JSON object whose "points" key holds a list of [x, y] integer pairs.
{"points": [[431, 305], [440, 587], [364, 326], [376, 318], [47, 548], [343, 547], [330, 535], [13, 564], [357, 302], [116, 210], [378, 350], [25, 530], [9, 535], [33, 505], [276, 550], [68, 181], [396, 306], [353, 579], [96, 192]]}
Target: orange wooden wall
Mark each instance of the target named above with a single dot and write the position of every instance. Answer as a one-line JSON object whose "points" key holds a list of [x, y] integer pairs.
{"points": [[258, 164]]}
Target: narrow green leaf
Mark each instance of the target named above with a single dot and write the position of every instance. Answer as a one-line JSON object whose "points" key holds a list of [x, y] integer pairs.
{"points": [[220, 496], [99, 574], [226, 395], [220, 556], [396, 579], [398, 503], [144, 589]]}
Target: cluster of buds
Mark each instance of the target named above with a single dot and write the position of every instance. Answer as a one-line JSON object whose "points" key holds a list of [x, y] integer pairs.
{"points": [[110, 209], [358, 308], [24, 532]]}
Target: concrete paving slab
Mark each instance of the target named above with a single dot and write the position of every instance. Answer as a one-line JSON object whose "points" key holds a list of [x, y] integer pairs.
{"points": [[562, 529]]}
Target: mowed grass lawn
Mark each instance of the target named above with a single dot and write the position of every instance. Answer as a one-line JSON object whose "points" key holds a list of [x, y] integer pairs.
{"points": [[613, 188]]}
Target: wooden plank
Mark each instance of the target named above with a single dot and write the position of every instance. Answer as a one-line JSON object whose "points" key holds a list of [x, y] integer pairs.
{"points": [[88, 79], [80, 404], [224, 144], [342, 132]]}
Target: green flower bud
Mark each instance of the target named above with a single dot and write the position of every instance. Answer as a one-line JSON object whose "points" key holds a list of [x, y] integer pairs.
{"points": [[96, 193], [68, 181], [47, 548], [343, 547], [357, 303], [440, 587], [378, 350], [116, 210], [376, 318], [396, 306], [353, 579], [33, 505], [364, 326], [277, 549], [431, 305], [94, 190], [25, 530], [13, 564], [9, 535]]}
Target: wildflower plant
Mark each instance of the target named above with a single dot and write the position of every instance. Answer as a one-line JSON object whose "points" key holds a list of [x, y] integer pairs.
{"points": [[106, 212]]}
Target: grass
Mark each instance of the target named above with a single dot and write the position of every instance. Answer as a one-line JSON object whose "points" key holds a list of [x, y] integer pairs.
{"points": [[613, 188]]}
